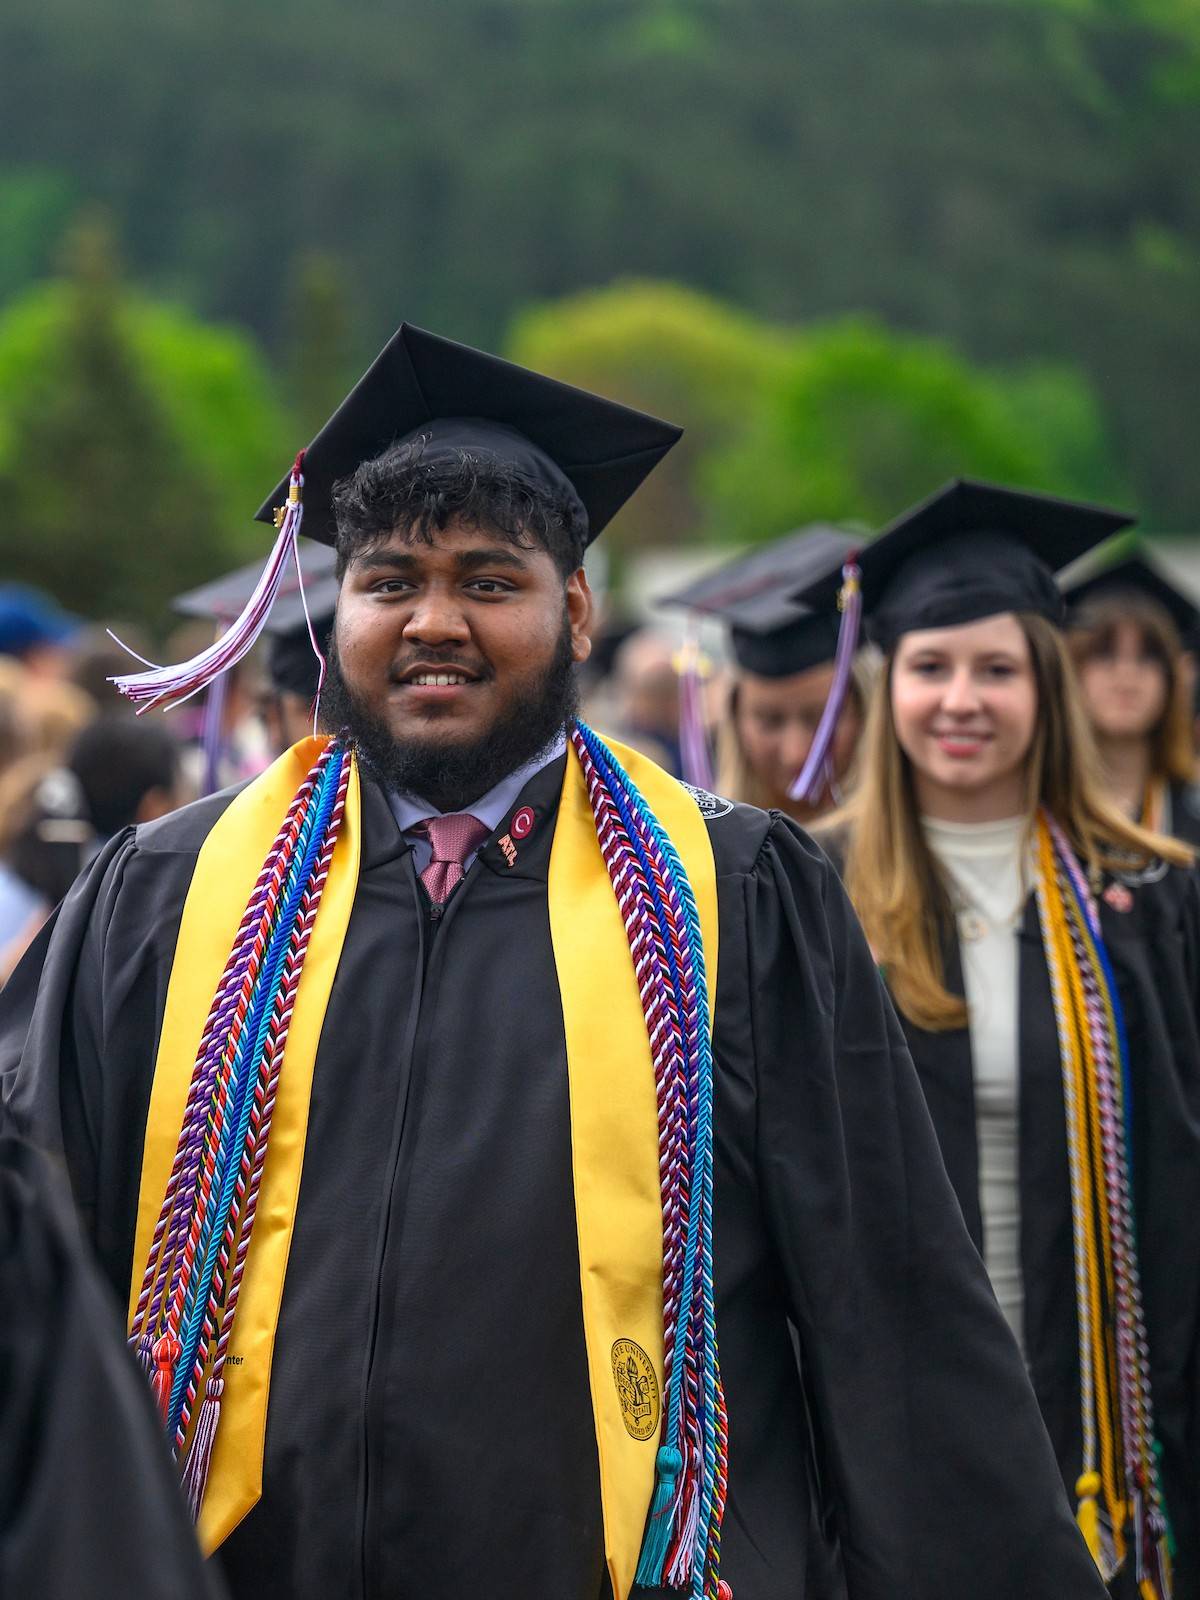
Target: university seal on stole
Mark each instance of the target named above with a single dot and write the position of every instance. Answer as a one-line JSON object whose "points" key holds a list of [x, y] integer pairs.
{"points": [[637, 1388]]}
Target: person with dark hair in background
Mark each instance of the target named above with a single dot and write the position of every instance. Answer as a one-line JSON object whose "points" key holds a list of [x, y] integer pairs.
{"points": [[128, 771], [438, 1097], [1126, 625]]}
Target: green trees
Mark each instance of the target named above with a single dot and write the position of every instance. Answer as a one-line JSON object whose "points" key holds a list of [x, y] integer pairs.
{"points": [[135, 443], [1012, 176], [861, 422], [841, 420]]}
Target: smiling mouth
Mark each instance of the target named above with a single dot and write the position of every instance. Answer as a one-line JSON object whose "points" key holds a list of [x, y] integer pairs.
{"points": [[436, 680], [962, 741]]}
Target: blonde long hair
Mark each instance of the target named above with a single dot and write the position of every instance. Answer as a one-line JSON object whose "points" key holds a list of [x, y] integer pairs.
{"points": [[897, 888]]}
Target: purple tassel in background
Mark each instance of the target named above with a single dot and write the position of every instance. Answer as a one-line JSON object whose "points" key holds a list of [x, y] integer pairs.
{"points": [[816, 774]]}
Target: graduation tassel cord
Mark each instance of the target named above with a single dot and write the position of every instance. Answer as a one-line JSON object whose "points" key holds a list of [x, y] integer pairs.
{"points": [[1120, 1496], [682, 1543], [188, 1298], [815, 775]]}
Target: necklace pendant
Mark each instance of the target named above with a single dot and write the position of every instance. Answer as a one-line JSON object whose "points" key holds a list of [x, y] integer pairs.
{"points": [[1119, 897]]}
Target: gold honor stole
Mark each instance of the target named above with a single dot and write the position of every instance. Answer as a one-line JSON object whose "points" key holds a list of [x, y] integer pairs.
{"points": [[614, 1119]]}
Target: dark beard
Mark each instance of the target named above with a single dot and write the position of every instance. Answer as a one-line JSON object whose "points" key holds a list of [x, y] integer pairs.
{"points": [[451, 776]]}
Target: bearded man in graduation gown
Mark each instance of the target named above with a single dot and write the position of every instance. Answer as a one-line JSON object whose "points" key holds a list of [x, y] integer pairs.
{"points": [[460, 1261]]}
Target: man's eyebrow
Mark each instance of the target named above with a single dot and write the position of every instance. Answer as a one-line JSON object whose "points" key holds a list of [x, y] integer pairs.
{"points": [[495, 555], [392, 560]]}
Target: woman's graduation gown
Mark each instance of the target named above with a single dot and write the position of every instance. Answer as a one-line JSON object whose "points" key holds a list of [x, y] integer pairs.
{"points": [[430, 1432], [1151, 924], [1183, 818]]}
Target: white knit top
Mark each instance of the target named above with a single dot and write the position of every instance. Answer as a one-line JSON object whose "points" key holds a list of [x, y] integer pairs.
{"points": [[989, 878]]}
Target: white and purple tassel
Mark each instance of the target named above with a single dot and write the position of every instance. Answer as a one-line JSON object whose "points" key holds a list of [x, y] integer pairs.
{"points": [[170, 686]]}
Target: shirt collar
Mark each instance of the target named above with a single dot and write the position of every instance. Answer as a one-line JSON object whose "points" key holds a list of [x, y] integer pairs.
{"points": [[490, 808]]}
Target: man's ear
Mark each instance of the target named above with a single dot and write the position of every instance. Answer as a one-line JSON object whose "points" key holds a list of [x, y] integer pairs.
{"points": [[580, 608]]}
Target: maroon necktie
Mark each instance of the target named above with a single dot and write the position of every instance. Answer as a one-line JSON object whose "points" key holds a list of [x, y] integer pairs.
{"points": [[453, 838]]}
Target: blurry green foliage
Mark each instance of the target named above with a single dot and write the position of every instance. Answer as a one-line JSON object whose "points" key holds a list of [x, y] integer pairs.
{"points": [[841, 421], [670, 351], [1012, 176], [320, 367], [862, 422], [35, 205], [135, 443]]}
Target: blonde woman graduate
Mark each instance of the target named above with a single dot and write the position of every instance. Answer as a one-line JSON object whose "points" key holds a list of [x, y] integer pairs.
{"points": [[1126, 627], [1043, 952]]}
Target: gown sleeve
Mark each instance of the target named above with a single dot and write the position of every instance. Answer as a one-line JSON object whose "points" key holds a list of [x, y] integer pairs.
{"points": [[941, 1474], [88, 1501]]}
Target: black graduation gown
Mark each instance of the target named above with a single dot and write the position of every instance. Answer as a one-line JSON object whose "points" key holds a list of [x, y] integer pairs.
{"points": [[89, 1505], [1155, 950], [429, 1432], [1183, 820]]}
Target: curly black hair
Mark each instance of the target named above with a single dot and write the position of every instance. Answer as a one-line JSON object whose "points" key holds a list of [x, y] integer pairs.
{"points": [[403, 489]]}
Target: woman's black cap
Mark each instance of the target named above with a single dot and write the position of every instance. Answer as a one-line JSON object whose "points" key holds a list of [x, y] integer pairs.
{"points": [[971, 550], [1139, 576], [593, 451], [771, 635]]}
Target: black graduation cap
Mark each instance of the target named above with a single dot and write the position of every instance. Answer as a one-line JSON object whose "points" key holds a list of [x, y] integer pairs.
{"points": [[222, 599], [771, 634], [593, 450], [1136, 575], [292, 665], [969, 551]]}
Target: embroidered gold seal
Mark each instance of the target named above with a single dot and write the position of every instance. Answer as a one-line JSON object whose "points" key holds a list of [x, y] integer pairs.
{"points": [[637, 1388]]}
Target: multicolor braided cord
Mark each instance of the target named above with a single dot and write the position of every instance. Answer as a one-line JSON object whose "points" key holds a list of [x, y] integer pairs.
{"points": [[682, 1545], [189, 1293], [1118, 1489]]}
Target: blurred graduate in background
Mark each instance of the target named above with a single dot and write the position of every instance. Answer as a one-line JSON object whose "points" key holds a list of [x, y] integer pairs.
{"points": [[1127, 628], [783, 669]]}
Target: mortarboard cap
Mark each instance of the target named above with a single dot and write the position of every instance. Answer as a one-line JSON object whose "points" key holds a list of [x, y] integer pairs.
{"points": [[970, 551], [223, 598], [771, 634], [591, 449], [1135, 575]]}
